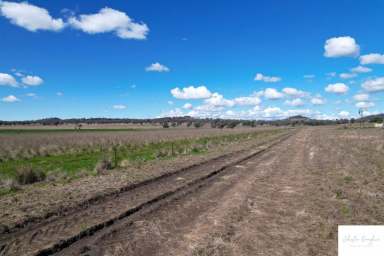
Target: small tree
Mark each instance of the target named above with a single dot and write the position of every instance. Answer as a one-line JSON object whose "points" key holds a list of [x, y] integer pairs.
{"points": [[376, 120], [232, 124], [198, 124]]}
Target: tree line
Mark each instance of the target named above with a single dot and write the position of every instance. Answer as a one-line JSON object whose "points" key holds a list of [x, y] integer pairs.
{"points": [[188, 121]]}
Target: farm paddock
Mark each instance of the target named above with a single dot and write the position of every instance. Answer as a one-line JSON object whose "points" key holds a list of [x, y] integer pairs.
{"points": [[281, 194]]}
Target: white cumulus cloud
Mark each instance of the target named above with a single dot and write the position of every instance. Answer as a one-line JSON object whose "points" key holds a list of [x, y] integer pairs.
{"points": [[267, 79], [344, 46], [274, 112], [293, 92], [10, 99], [374, 85], [172, 113], [32, 80], [361, 97], [372, 58], [191, 92], [187, 106], [247, 101], [272, 94], [157, 67], [110, 20], [295, 102], [347, 75], [29, 16], [218, 100], [338, 88], [361, 69], [344, 114], [7, 80], [317, 101], [365, 104]]}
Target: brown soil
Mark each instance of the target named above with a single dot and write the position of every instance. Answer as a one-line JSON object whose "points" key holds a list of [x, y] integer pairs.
{"points": [[285, 200]]}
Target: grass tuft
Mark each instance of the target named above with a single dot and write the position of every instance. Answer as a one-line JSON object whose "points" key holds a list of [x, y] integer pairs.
{"points": [[28, 175]]}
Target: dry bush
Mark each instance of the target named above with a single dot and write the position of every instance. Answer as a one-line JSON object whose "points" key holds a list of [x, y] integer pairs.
{"points": [[56, 176], [103, 165], [124, 163], [9, 184], [28, 175], [161, 153]]}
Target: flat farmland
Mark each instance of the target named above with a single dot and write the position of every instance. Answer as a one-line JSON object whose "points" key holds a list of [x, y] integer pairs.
{"points": [[16, 142], [71, 152], [266, 192], [55, 169]]}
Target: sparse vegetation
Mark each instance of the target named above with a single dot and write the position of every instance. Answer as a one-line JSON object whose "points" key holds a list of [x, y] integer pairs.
{"points": [[105, 153], [27, 175], [103, 165], [339, 194], [348, 179]]}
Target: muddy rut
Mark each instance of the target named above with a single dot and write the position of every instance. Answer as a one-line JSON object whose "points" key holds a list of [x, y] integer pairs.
{"points": [[74, 229]]}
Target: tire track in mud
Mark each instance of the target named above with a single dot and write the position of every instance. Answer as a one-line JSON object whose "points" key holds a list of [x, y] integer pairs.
{"points": [[54, 235]]}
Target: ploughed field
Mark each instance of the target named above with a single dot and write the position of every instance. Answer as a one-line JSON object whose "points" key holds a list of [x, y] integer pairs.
{"points": [[260, 192]]}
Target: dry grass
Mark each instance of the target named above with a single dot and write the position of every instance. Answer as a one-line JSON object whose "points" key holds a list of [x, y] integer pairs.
{"points": [[25, 145], [94, 153], [65, 193], [29, 175]]}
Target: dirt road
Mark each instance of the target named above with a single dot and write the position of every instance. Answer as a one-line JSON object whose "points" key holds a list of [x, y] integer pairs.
{"points": [[286, 199], [256, 208]]}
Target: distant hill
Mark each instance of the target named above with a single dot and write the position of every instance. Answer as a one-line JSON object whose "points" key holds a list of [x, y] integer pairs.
{"points": [[373, 118], [298, 118]]}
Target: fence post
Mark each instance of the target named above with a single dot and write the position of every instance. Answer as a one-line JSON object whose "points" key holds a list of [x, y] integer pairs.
{"points": [[115, 156]]}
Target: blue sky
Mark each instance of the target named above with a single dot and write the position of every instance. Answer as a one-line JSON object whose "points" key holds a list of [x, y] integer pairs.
{"points": [[232, 59]]}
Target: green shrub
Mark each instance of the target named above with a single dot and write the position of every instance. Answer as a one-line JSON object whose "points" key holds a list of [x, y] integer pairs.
{"points": [[348, 179], [339, 194]]}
